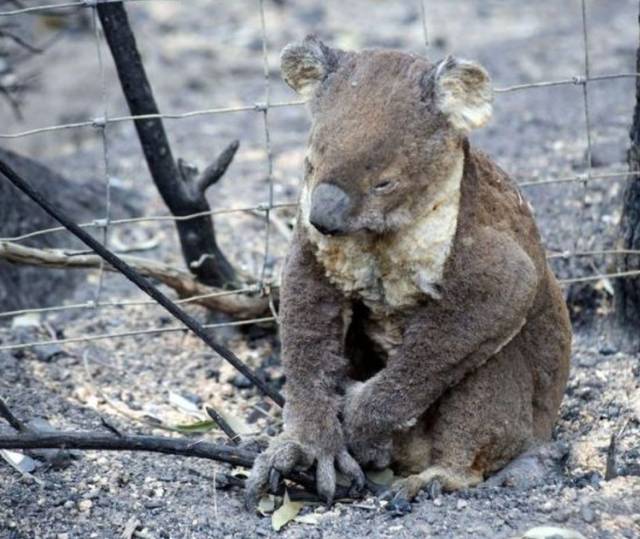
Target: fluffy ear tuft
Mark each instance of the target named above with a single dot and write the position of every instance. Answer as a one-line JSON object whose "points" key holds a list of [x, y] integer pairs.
{"points": [[463, 92], [305, 65]]}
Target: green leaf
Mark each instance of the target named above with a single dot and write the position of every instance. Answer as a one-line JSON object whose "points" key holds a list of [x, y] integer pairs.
{"points": [[381, 477], [285, 513], [199, 426]]}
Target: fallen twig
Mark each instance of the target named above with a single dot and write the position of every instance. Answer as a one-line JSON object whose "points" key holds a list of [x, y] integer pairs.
{"points": [[610, 471], [157, 444], [11, 419], [233, 436], [185, 285]]}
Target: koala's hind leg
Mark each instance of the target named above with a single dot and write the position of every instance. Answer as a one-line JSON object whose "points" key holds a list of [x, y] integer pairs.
{"points": [[478, 426]]}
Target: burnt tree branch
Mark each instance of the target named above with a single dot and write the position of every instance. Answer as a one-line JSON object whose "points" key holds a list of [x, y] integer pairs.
{"points": [[142, 283], [157, 444], [627, 296], [241, 305], [110, 442], [181, 195]]}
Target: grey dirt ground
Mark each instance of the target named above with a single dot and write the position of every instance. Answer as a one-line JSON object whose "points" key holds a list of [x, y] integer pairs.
{"points": [[202, 54]]}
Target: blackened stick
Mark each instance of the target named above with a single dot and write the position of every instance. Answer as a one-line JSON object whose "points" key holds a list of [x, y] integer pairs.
{"points": [[139, 281]]}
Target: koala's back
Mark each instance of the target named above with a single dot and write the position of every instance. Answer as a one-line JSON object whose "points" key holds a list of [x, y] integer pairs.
{"points": [[490, 198]]}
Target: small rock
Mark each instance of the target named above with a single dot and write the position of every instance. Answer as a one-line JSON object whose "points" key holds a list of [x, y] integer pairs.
{"points": [[85, 505], [608, 350], [226, 390], [587, 361], [607, 153], [461, 505], [48, 352], [551, 532], [547, 506], [561, 515], [241, 381], [587, 514], [212, 373]]}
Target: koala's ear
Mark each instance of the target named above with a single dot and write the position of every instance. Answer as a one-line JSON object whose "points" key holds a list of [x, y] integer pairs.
{"points": [[463, 92], [305, 65]]}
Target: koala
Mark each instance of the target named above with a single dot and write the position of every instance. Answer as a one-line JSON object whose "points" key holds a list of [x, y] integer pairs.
{"points": [[421, 325]]}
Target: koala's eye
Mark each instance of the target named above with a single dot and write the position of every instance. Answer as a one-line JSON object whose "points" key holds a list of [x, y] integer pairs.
{"points": [[384, 186]]}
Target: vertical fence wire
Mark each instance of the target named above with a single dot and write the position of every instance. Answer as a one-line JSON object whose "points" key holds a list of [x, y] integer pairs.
{"points": [[423, 20], [267, 141], [102, 125], [579, 241]]}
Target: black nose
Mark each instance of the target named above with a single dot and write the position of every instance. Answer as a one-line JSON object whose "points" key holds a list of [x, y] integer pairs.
{"points": [[330, 207], [324, 230]]}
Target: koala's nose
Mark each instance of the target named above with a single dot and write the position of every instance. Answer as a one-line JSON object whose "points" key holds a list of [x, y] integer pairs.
{"points": [[329, 208]]}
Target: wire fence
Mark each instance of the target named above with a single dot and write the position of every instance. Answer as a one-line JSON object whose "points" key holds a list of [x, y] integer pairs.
{"points": [[105, 224]]}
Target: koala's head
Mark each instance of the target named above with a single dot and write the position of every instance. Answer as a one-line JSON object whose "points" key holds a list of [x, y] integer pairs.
{"points": [[387, 131]]}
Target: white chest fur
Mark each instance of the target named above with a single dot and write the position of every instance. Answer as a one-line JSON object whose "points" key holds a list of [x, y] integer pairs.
{"points": [[393, 271]]}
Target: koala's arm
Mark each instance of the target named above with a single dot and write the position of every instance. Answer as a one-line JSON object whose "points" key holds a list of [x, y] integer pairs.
{"points": [[312, 327], [486, 301]]}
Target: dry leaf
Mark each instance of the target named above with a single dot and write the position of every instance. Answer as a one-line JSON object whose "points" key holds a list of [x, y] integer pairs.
{"points": [[237, 424], [267, 505], [309, 518], [184, 404], [238, 471], [285, 513], [22, 463], [30, 320]]}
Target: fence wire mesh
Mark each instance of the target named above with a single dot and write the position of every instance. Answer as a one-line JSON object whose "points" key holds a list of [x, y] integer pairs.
{"points": [[265, 283]]}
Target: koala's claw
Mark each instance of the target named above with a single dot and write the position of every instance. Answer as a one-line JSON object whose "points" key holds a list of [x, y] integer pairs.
{"points": [[351, 469], [275, 481], [411, 486], [285, 455], [326, 478]]}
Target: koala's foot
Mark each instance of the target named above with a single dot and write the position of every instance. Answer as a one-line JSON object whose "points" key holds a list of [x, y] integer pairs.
{"points": [[286, 454], [435, 478], [532, 468]]}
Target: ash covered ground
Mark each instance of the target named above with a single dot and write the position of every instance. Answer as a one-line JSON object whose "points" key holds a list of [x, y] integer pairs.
{"points": [[203, 55]]}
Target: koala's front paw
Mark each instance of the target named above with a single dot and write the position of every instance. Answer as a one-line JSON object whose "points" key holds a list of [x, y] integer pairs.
{"points": [[368, 448], [286, 453]]}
